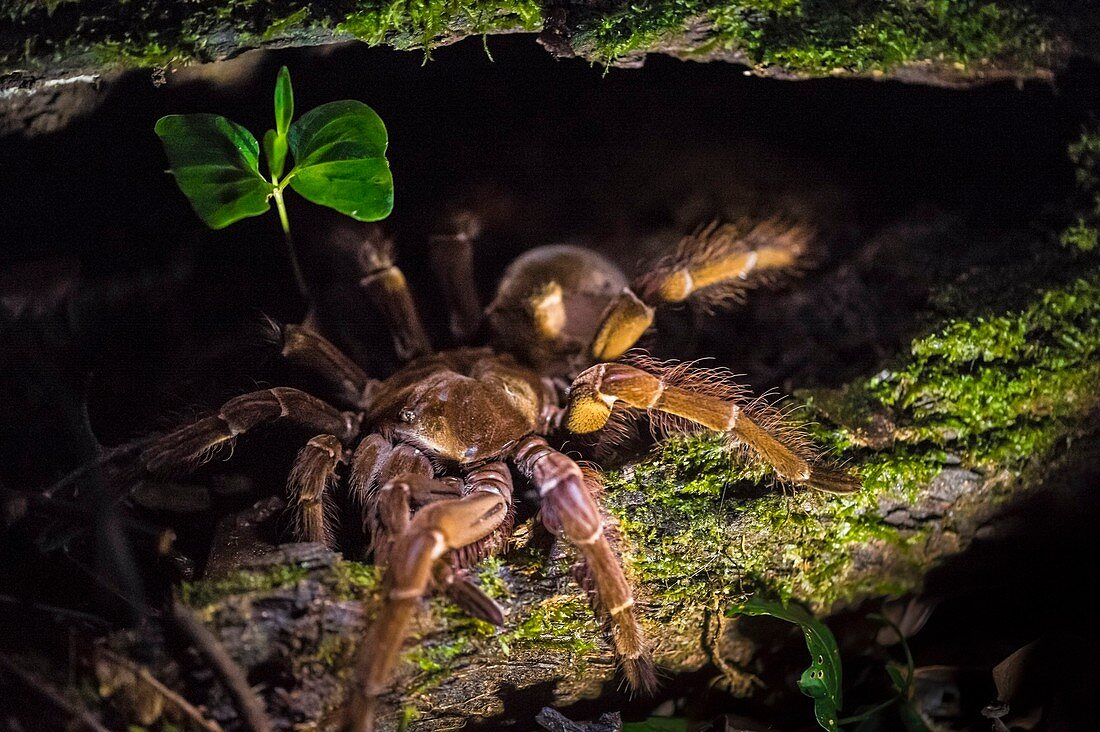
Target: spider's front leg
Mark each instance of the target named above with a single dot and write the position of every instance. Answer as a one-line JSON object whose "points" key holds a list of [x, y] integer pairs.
{"points": [[707, 399], [569, 509], [715, 265]]}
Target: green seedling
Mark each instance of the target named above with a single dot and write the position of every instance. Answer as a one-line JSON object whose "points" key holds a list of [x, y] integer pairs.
{"points": [[338, 152], [821, 681]]}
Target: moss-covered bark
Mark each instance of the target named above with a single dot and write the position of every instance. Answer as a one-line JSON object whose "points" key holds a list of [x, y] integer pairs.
{"points": [[940, 41]]}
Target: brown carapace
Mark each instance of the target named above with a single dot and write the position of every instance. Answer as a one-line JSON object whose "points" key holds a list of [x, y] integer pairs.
{"points": [[430, 452]]}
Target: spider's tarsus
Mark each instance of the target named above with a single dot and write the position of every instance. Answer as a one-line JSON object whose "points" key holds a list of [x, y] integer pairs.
{"points": [[640, 675], [833, 480]]}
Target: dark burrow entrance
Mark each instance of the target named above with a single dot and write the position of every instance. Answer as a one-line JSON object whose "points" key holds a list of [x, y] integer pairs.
{"points": [[911, 187]]}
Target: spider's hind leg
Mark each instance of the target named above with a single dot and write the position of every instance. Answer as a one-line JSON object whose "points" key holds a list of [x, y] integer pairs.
{"points": [[452, 257], [188, 447], [304, 348], [387, 288], [681, 396]]}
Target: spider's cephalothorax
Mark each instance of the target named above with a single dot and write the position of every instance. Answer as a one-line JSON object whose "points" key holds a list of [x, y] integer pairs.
{"points": [[429, 452]]}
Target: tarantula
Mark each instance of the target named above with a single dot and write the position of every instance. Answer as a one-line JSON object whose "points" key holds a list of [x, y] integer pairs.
{"points": [[429, 452]]}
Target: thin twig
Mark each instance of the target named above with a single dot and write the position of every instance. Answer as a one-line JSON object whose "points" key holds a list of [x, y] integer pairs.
{"points": [[79, 718], [117, 674], [248, 703]]}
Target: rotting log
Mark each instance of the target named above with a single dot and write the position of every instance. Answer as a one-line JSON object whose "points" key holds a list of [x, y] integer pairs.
{"points": [[968, 423], [44, 42]]}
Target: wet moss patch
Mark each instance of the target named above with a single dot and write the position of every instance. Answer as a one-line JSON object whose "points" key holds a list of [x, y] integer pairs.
{"points": [[820, 37]]}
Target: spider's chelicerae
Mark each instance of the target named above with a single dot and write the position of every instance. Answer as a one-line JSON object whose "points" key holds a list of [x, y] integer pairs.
{"points": [[429, 452]]}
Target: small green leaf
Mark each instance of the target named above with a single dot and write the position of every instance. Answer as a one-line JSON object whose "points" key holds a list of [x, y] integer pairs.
{"points": [[821, 681], [216, 165], [340, 160], [275, 148], [284, 102]]}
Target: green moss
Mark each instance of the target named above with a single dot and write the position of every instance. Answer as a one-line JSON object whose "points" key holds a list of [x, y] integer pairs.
{"points": [[347, 580], [132, 55], [406, 24], [821, 36], [207, 592], [352, 580], [1001, 389], [282, 26], [998, 390], [1084, 234], [563, 623], [335, 653], [814, 37], [437, 658], [490, 579]]}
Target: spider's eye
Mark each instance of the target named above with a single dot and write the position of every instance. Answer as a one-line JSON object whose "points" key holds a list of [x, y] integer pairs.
{"points": [[407, 415]]}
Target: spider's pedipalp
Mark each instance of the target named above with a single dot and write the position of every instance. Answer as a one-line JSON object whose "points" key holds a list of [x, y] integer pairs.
{"points": [[711, 267], [432, 532], [191, 445], [309, 486], [624, 322], [569, 509]]}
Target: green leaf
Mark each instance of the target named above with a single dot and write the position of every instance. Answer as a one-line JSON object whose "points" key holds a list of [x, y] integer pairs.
{"points": [[284, 102], [275, 148], [340, 160], [216, 165], [821, 681]]}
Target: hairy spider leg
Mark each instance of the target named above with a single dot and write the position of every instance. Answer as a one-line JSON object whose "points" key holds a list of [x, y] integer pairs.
{"points": [[721, 257], [188, 447], [452, 257], [569, 510], [413, 557], [309, 486], [713, 265], [304, 348], [388, 290], [595, 391]]}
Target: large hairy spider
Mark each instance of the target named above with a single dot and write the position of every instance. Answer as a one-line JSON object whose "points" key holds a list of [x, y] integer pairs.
{"points": [[430, 451]]}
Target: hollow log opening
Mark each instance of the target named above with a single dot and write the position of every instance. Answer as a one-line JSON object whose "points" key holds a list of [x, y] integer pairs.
{"points": [[938, 336]]}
